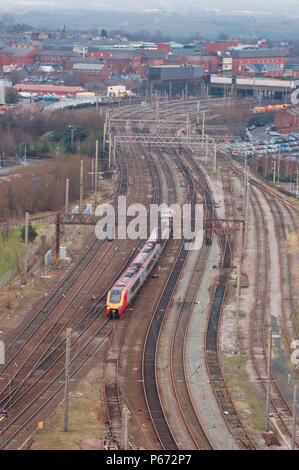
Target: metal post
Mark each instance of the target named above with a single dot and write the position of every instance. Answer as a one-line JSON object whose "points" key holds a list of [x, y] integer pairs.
{"points": [[268, 377], [238, 289], [67, 186], [207, 149], [26, 247], [72, 137], [109, 155], [67, 376], [188, 124], [125, 423], [294, 418], [25, 155], [104, 134], [246, 205], [57, 238], [215, 157], [274, 172], [81, 186], [96, 175], [203, 124], [92, 174]]}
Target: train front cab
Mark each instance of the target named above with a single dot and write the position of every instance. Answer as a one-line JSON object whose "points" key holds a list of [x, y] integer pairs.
{"points": [[116, 302]]}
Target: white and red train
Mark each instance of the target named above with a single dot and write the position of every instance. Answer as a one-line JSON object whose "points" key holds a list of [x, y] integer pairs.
{"points": [[131, 281]]}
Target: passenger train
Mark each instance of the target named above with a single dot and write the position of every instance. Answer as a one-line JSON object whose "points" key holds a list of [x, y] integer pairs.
{"points": [[131, 281], [274, 107]]}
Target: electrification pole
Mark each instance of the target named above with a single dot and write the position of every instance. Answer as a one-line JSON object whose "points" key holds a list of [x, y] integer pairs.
{"points": [[268, 377], [96, 176], [125, 423], [67, 186], [81, 186], [26, 248], [67, 377], [294, 418]]}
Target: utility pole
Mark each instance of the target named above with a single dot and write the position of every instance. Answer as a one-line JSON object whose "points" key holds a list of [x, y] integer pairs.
{"points": [[25, 155], [215, 157], [294, 418], [81, 186], [67, 377], [238, 289], [26, 248], [67, 186], [198, 107], [207, 149], [104, 134], [268, 377], [188, 125], [92, 174], [125, 422], [203, 124], [274, 172], [72, 137], [96, 175], [246, 205], [109, 154]]}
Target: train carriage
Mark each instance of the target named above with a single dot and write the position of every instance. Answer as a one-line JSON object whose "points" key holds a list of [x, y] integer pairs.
{"points": [[127, 286]]}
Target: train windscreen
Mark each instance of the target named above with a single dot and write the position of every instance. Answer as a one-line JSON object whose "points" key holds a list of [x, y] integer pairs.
{"points": [[115, 296]]}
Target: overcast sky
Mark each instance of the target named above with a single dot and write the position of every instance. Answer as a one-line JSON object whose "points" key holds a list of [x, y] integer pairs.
{"points": [[257, 5]]}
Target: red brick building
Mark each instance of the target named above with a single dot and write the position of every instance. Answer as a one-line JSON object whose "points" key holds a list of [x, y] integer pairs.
{"points": [[241, 58], [17, 56], [42, 90], [91, 72], [220, 46], [119, 64], [53, 56], [104, 53], [210, 63]]}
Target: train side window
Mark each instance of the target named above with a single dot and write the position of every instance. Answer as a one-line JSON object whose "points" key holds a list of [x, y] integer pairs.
{"points": [[135, 285]]}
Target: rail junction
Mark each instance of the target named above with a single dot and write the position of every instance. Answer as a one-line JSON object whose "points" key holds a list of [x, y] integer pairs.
{"points": [[176, 389]]}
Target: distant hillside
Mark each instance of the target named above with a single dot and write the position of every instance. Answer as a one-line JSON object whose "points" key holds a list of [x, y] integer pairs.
{"points": [[206, 24]]}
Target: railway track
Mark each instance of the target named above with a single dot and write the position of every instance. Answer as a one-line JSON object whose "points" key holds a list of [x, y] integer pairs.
{"points": [[32, 383]]}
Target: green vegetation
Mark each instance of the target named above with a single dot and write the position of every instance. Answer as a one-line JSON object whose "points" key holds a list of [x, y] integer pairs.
{"points": [[32, 233], [50, 135], [85, 415], [11, 249], [12, 245], [243, 391]]}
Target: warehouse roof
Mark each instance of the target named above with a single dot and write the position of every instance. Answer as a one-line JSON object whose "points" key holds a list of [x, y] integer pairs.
{"points": [[262, 68], [81, 66], [17, 51], [58, 52], [179, 72], [47, 88], [256, 53]]}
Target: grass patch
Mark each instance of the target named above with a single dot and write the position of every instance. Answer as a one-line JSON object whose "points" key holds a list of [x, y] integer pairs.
{"points": [[85, 415], [244, 395], [11, 250], [12, 247]]}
